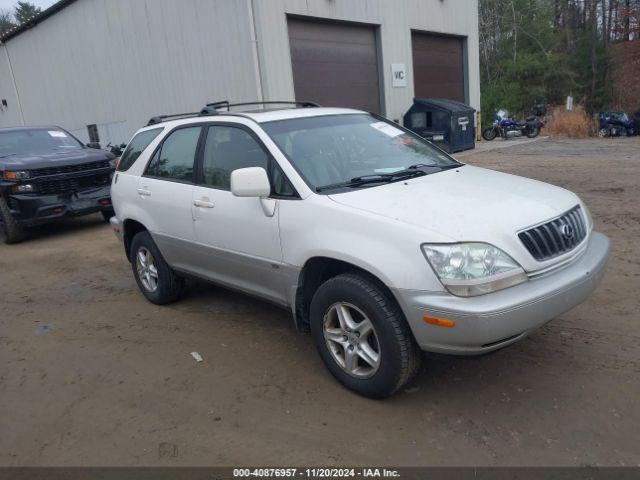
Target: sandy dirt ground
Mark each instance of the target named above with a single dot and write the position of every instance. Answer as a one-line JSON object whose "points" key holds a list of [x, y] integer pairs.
{"points": [[92, 374]]}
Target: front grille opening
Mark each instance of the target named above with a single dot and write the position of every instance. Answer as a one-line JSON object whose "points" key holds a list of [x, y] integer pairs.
{"points": [[69, 185], [42, 172], [557, 236]]}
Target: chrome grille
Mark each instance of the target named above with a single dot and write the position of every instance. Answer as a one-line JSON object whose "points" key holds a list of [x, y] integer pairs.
{"points": [[557, 236]]}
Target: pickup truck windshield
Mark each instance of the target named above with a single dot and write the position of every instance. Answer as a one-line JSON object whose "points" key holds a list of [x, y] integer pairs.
{"points": [[339, 151], [36, 141]]}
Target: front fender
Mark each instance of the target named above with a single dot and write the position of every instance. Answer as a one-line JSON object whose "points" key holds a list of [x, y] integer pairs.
{"points": [[388, 249]]}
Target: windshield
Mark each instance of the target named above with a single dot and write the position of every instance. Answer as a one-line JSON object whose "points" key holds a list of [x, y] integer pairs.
{"points": [[336, 149], [36, 141]]}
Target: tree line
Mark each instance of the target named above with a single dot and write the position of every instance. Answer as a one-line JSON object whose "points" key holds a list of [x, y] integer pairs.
{"points": [[541, 51], [22, 11]]}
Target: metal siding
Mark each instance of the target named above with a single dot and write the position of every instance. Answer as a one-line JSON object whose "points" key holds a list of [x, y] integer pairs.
{"points": [[11, 115], [113, 61], [119, 62]]}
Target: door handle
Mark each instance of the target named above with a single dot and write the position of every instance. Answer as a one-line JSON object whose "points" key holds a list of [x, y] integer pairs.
{"points": [[203, 204], [144, 192]]}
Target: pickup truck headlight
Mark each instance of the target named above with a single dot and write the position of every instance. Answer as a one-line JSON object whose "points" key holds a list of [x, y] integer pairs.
{"points": [[23, 175], [470, 269]]}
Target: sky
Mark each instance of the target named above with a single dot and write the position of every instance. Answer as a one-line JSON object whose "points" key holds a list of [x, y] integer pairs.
{"points": [[9, 4]]}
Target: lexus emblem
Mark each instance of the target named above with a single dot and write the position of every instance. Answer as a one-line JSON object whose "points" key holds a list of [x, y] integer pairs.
{"points": [[567, 231]]}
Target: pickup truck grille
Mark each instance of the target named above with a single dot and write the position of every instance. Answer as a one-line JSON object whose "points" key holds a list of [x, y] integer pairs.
{"points": [[557, 236], [43, 172], [73, 184]]}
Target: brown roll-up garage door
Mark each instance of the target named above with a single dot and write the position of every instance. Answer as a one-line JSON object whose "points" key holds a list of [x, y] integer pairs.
{"points": [[335, 64], [438, 66]]}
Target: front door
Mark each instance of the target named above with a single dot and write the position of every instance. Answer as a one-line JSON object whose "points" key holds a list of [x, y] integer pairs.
{"points": [[239, 242]]}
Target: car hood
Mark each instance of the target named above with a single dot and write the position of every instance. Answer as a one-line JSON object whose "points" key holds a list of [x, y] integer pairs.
{"points": [[54, 159], [467, 204]]}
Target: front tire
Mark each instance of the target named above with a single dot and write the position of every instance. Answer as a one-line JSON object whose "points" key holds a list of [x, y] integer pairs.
{"points": [[362, 336], [489, 134], [10, 230], [155, 278]]}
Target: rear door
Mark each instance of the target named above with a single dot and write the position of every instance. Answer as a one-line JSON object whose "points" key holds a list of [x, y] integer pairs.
{"points": [[239, 244], [166, 194]]}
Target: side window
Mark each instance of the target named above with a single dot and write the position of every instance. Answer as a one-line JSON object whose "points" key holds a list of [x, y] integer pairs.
{"points": [[226, 150], [174, 160], [136, 147]]}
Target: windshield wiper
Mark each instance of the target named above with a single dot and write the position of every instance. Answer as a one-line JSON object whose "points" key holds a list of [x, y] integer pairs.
{"points": [[8, 155], [409, 172], [375, 178]]}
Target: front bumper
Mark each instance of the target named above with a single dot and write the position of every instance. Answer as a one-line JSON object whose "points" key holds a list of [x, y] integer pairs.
{"points": [[32, 209], [492, 321]]}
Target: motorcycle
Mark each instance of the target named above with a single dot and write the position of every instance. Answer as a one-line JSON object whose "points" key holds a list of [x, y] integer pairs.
{"points": [[616, 124], [507, 127]]}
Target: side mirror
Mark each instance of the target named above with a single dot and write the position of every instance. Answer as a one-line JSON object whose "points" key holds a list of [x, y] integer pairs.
{"points": [[95, 145], [250, 182]]}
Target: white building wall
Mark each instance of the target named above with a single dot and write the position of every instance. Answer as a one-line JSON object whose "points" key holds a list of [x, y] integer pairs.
{"points": [[396, 19], [9, 116], [116, 63]]}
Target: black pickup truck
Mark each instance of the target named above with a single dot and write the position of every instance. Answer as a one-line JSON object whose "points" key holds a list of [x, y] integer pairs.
{"points": [[46, 174]]}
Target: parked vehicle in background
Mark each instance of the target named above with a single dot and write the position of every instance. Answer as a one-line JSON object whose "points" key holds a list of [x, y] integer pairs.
{"points": [[46, 174], [379, 243], [507, 127], [616, 124]]}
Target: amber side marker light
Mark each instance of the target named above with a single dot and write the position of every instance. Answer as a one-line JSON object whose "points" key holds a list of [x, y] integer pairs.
{"points": [[439, 322]]}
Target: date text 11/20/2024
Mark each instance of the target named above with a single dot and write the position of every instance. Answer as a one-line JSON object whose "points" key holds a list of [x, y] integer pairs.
{"points": [[316, 472]]}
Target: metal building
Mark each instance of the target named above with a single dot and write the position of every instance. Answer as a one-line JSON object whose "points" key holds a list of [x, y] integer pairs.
{"points": [[104, 67]]}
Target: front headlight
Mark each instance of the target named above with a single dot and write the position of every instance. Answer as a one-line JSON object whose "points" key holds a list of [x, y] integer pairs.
{"points": [[470, 269], [23, 175]]}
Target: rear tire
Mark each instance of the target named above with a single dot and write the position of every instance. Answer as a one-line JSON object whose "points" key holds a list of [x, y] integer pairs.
{"points": [[489, 134], [385, 352], [533, 132], [155, 278], [10, 230]]}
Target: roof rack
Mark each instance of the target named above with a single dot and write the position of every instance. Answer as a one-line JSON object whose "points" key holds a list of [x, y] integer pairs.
{"points": [[212, 109], [227, 105]]}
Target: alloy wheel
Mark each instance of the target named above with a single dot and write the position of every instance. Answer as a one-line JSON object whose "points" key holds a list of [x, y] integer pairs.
{"points": [[147, 270], [352, 340]]}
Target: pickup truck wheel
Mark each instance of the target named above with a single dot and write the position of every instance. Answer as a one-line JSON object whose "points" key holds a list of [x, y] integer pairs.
{"points": [[155, 278], [10, 230], [362, 336]]}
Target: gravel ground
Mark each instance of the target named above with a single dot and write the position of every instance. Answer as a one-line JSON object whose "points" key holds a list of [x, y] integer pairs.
{"points": [[92, 374]]}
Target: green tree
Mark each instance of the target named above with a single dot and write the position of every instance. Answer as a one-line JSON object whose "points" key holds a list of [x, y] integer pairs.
{"points": [[6, 21], [534, 51], [24, 10]]}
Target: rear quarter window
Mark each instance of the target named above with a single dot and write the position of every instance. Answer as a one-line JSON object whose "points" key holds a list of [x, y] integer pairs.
{"points": [[136, 146]]}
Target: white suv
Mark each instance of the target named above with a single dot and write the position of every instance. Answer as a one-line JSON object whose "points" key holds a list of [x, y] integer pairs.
{"points": [[379, 243]]}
